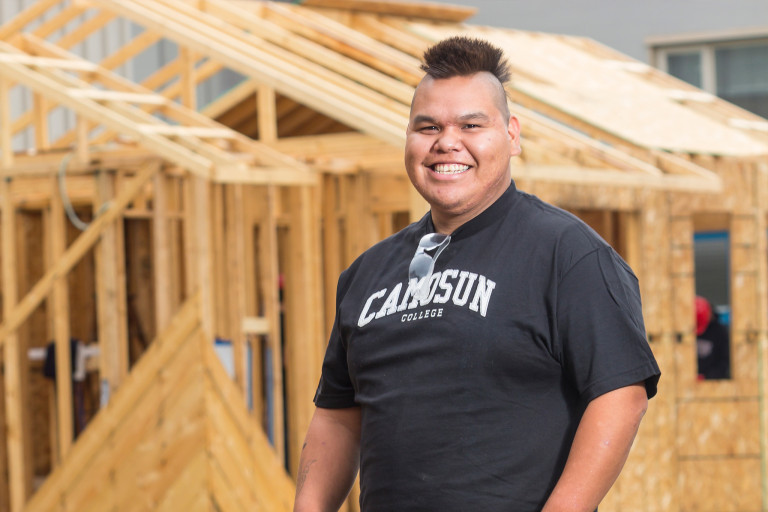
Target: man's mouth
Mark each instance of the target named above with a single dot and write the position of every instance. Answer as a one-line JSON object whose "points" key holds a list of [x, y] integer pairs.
{"points": [[449, 168]]}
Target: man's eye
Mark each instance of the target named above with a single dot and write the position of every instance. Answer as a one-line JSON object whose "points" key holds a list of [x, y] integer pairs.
{"points": [[471, 126], [428, 129]]}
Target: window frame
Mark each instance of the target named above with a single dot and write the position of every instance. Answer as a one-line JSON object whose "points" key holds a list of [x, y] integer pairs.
{"points": [[705, 44]]}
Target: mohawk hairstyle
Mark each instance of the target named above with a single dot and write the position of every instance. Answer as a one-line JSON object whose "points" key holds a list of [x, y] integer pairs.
{"points": [[462, 56]]}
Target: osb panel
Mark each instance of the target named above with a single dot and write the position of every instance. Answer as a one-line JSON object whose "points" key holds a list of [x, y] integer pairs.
{"points": [[720, 485], [723, 427], [743, 383], [744, 367], [683, 290], [685, 366]]}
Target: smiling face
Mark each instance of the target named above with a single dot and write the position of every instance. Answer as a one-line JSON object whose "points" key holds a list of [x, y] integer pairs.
{"points": [[458, 146]]}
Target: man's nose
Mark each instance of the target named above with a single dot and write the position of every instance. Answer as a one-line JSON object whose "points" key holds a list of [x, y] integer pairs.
{"points": [[449, 139]]}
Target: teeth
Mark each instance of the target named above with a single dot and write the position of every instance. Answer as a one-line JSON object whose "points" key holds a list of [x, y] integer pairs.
{"points": [[450, 168]]}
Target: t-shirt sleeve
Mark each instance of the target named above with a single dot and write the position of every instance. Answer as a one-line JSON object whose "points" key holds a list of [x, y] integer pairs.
{"points": [[335, 390], [600, 325]]}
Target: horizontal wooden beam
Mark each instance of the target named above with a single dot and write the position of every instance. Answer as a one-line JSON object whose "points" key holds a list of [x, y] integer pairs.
{"points": [[45, 62], [431, 10], [586, 176], [129, 97]]}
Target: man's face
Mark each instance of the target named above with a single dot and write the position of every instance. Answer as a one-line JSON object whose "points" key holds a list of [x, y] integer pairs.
{"points": [[458, 145]]}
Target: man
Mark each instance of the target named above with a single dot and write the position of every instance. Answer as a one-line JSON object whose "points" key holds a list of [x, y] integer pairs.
{"points": [[503, 367]]}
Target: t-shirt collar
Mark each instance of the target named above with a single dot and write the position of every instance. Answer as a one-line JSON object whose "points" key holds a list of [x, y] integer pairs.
{"points": [[487, 217]]}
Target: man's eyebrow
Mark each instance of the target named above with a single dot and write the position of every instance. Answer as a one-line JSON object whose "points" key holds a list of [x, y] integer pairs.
{"points": [[470, 116], [421, 118], [473, 115]]}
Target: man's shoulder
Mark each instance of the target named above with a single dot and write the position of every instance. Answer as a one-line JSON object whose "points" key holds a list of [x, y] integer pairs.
{"points": [[547, 221]]}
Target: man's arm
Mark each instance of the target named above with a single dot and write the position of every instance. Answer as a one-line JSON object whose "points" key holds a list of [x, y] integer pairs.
{"points": [[600, 448], [329, 460]]}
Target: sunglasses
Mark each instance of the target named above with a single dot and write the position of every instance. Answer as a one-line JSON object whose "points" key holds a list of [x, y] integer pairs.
{"points": [[423, 262]]}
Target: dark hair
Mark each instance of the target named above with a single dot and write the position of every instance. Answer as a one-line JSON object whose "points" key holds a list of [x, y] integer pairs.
{"points": [[462, 56]]}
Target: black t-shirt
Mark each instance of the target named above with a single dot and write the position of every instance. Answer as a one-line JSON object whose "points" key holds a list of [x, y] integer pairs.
{"points": [[471, 396]]}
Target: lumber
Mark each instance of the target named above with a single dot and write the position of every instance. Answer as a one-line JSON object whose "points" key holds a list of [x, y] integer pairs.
{"points": [[161, 252], [101, 95], [17, 433], [59, 304], [6, 134], [430, 10], [47, 62], [110, 288], [269, 266]]}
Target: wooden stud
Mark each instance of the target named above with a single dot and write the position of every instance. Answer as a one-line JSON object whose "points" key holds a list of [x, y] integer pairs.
{"points": [[269, 266], [110, 288], [235, 276], [187, 77], [14, 364], [265, 98], [6, 133], [58, 302], [161, 253]]}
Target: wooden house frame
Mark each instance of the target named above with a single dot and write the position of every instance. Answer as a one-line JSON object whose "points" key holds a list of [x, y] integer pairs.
{"points": [[232, 221]]}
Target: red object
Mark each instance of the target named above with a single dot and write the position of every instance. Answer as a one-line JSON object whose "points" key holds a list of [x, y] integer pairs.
{"points": [[703, 314]]}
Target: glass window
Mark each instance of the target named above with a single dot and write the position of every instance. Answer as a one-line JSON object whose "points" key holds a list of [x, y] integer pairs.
{"points": [[742, 76], [712, 305], [685, 66]]}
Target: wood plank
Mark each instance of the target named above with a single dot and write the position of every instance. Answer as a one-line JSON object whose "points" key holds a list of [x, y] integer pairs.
{"points": [[188, 78], [269, 266], [234, 264], [6, 133], [58, 301], [431, 10], [220, 286], [195, 131], [266, 114], [161, 252], [48, 62], [304, 320], [111, 304], [40, 122], [17, 433], [202, 251], [128, 97]]}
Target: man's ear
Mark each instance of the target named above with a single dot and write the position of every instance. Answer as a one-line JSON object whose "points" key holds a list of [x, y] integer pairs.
{"points": [[513, 128]]}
